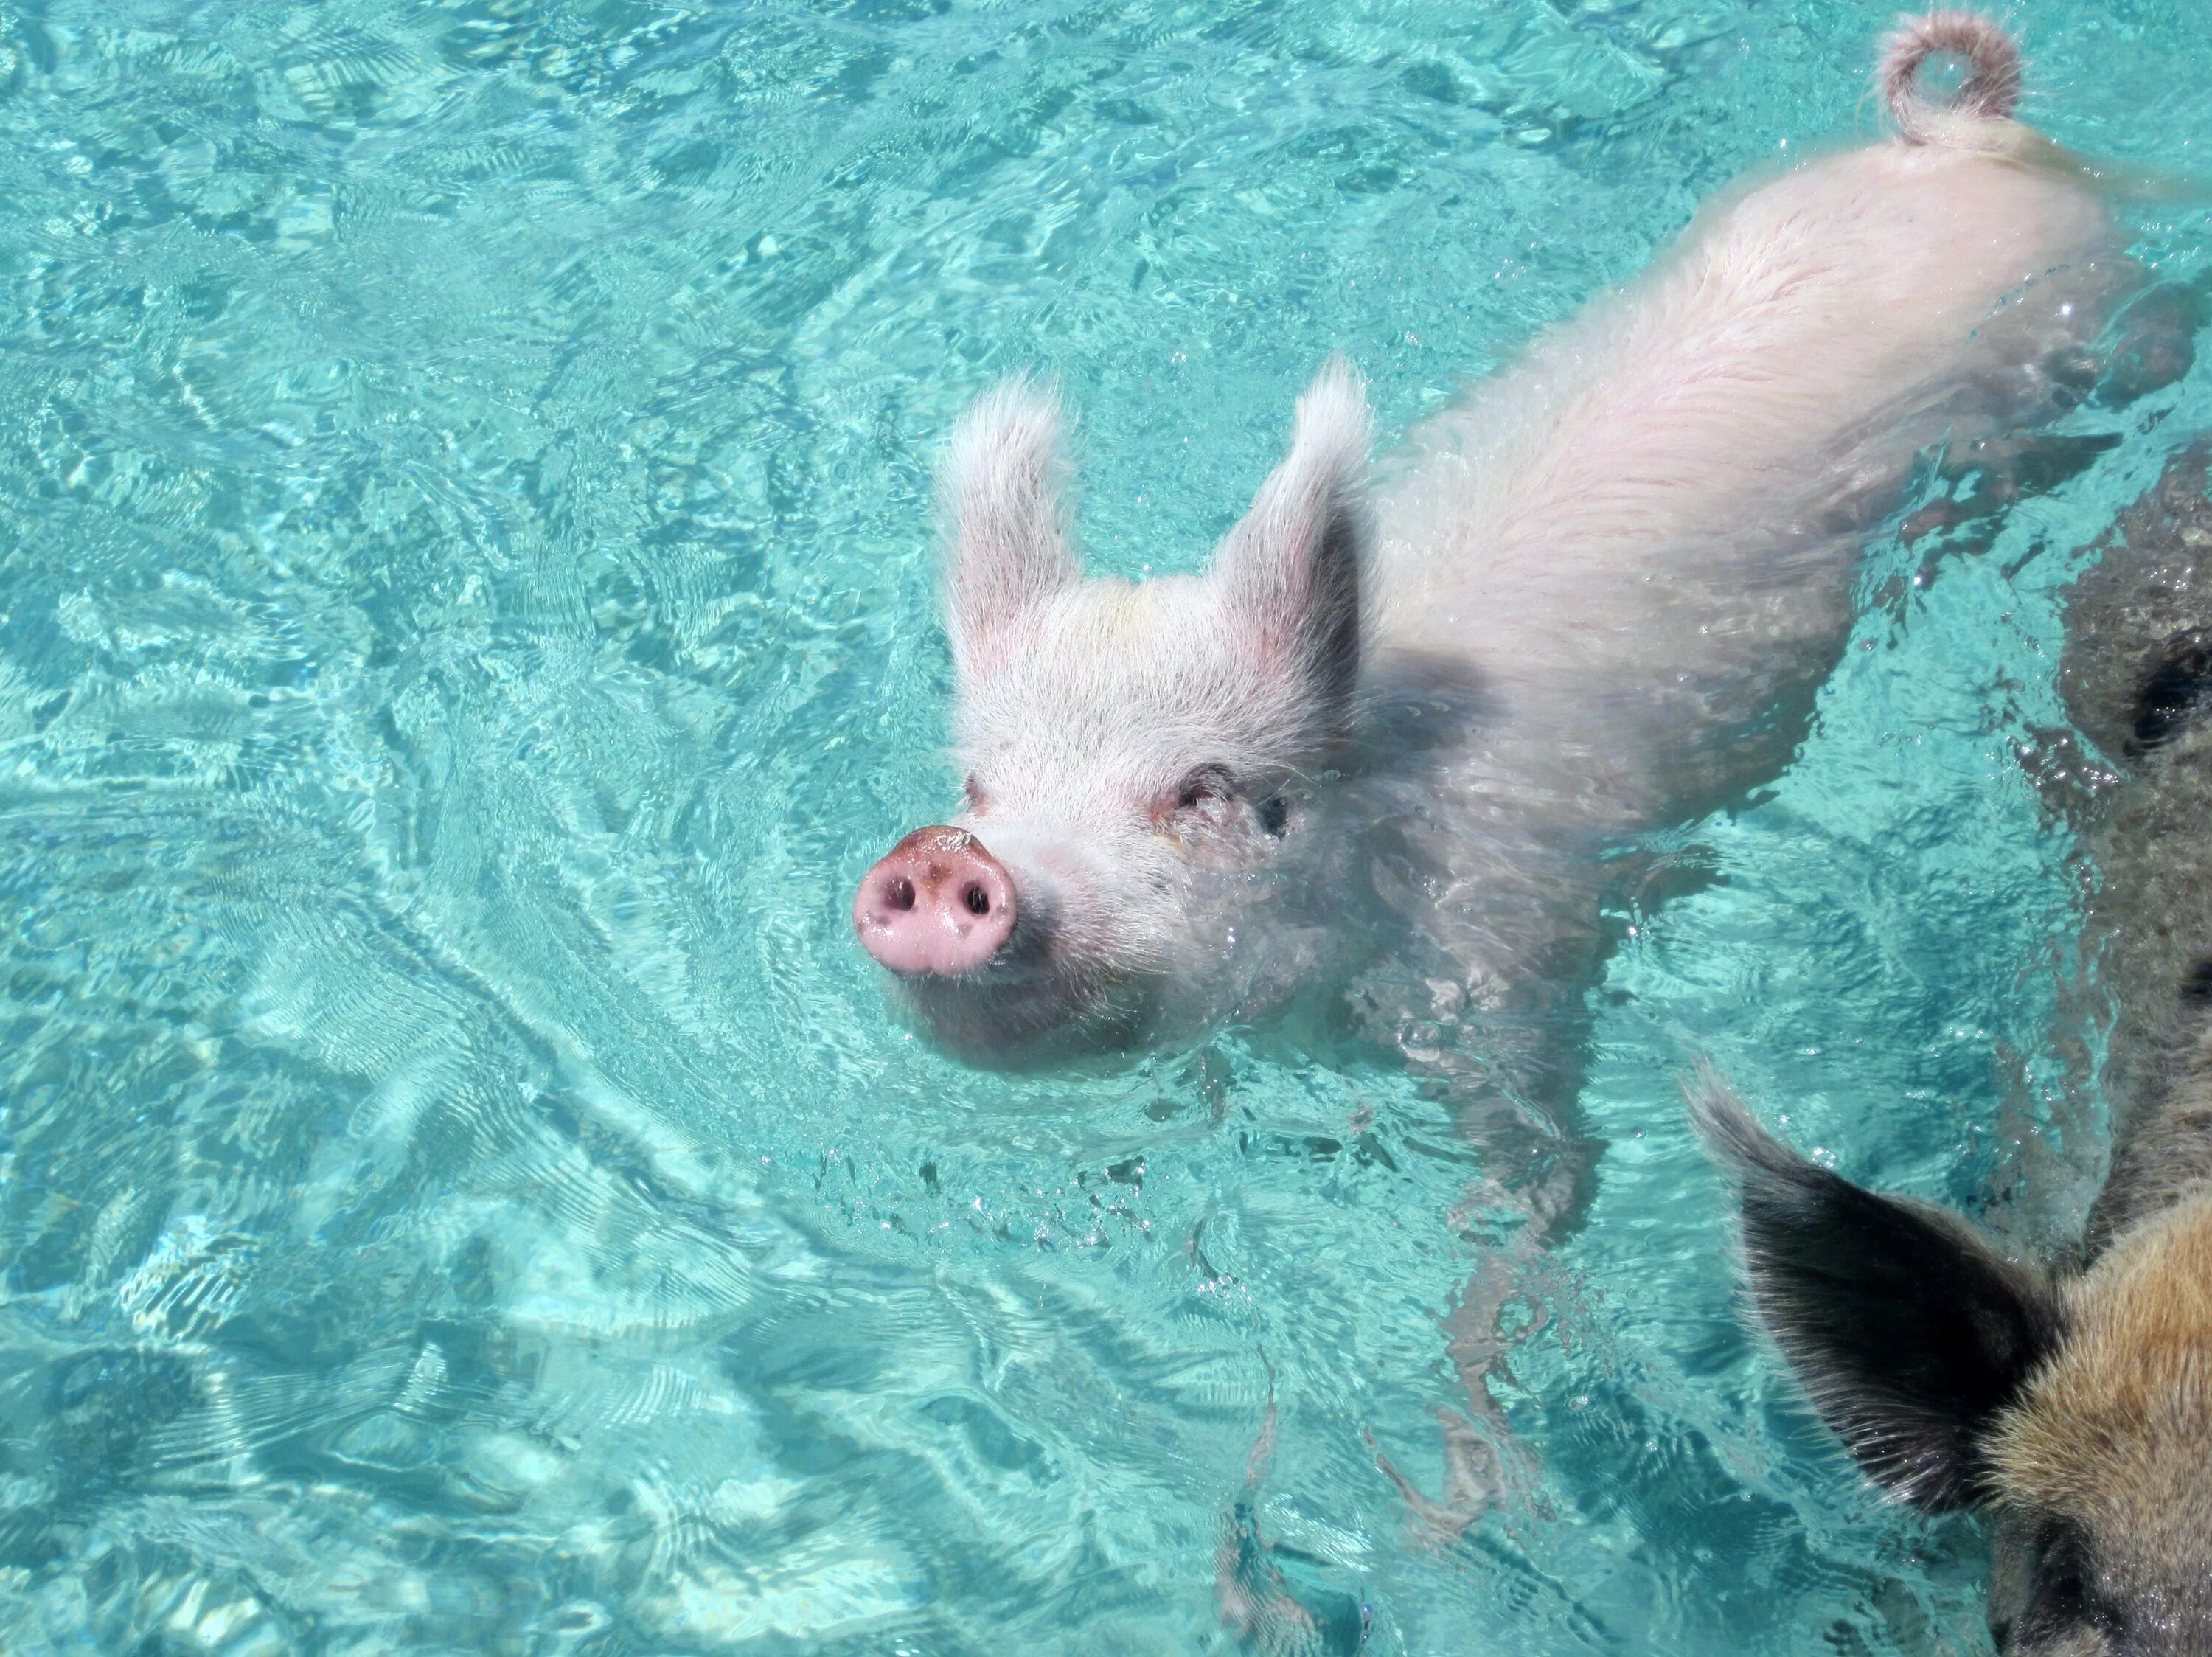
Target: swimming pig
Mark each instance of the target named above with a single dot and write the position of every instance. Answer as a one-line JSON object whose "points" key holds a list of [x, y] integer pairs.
{"points": [[1377, 752], [2073, 1400], [1400, 726]]}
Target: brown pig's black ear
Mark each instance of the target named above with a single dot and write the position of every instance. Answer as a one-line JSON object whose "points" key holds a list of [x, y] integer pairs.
{"points": [[1294, 566], [1907, 1330], [999, 491]]}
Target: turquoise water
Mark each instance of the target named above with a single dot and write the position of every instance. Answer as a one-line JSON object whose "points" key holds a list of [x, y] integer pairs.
{"points": [[464, 627]]}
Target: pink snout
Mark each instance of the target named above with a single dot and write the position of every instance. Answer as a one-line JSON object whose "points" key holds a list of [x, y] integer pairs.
{"points": [[938, 902]]}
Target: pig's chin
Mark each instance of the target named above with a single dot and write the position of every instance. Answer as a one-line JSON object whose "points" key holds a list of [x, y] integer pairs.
{"points": [[1015, 1021], [1044, 1013], [1056, 1000]]}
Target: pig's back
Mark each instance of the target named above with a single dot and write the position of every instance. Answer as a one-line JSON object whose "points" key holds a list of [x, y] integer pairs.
{"points": [[1715, 424]]}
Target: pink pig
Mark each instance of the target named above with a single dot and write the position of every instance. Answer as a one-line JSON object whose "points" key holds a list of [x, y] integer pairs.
{"points": [[1583, 586]]}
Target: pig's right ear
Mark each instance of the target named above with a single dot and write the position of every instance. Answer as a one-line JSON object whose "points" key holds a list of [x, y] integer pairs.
{"points": [[1909, 1333], [1005, 532]]}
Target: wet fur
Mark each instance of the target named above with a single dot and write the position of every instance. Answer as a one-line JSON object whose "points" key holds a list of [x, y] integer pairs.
{"points": [[2111, 1439]]}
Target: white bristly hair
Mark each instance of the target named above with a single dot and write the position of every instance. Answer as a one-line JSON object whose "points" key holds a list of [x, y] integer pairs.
{"points": [[1590, 577]]}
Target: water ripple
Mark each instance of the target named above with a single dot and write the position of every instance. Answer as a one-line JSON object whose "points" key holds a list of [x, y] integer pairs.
{"points": [[464, 579]]}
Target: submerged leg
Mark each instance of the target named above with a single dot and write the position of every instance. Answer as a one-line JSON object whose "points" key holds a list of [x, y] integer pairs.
{"points": [[1499, 1308], [1257, 1602]]}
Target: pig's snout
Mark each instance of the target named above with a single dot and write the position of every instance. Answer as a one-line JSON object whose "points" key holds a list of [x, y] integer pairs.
{"points": [[938, 902]]}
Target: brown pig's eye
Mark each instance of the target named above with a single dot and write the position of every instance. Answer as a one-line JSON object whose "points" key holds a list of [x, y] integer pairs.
{"points": [[977, 798]]}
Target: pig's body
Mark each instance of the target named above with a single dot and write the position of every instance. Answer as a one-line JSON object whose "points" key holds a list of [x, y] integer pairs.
{"points": [[2071, 1399], [2138, 682]]}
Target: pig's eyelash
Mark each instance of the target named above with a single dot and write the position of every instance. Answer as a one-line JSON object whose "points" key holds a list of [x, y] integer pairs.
{"points": [[1207, 783]]}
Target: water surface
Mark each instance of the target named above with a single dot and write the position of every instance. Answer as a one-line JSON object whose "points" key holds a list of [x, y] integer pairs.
{"points": [[465, 595]]}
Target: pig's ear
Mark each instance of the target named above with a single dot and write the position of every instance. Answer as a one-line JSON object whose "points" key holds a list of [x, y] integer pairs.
{"points": [[1908, 1331], [1292, 568], [1005, 531]]}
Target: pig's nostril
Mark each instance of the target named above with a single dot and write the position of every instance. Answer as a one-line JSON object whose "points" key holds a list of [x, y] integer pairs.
{"points": [[979, 901], [902, 893]]}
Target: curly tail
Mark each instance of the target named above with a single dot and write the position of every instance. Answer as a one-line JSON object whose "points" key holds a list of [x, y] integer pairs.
{"points": [[1990, 93]]}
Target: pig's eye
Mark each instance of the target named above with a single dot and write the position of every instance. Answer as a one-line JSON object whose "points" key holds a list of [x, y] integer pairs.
{"points": [[1205, 792], [977, 800], [1202, 788], [1274, 816]]}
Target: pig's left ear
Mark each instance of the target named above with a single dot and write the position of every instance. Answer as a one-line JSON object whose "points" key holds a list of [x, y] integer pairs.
{"points": [[1000, 498], [1294, 567], [1909, 1331]]}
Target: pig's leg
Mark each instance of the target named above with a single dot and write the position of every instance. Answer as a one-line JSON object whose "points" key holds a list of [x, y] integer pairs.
{"points": [[2153, 343], [2149, 343], [1484, 1001], [1257, 1602], [1541, 1167], [1503, 1305], [1484, 1465]]}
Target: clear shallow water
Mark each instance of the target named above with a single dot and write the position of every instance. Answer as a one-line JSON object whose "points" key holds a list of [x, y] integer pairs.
{"points": [[464, 624]]}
